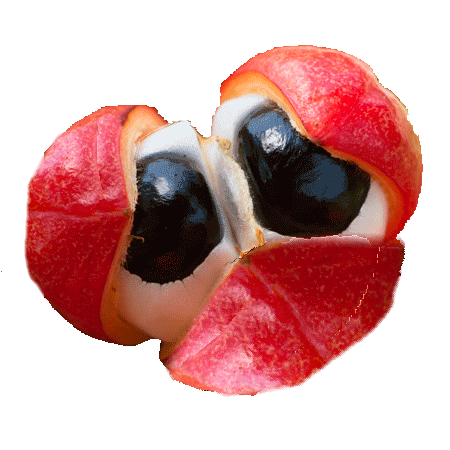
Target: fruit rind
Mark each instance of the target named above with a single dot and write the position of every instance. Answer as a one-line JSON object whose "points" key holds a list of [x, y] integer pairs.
{"points": [[284, 312], [340, 105], [78, 211]]}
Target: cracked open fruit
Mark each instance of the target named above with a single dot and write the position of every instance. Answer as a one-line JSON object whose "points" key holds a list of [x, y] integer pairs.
{"points": [[255, 255]]}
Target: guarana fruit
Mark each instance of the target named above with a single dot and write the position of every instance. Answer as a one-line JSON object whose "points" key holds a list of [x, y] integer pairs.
{"points": [[256, 255]]}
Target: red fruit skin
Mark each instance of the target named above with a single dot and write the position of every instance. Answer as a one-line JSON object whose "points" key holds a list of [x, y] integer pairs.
{"points": [[285, 312], [77, 212], [344, 109]]}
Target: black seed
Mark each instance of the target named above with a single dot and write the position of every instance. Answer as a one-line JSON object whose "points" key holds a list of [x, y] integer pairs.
{"points": [[298, 188], [175, 224]]}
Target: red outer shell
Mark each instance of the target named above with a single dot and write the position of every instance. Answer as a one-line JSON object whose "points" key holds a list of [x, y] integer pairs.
{"points": [[77, 212], [284, 312], [344, 108]]}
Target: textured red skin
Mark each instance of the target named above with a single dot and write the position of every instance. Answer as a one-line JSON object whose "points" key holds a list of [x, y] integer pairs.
{"points": [[77, 212], [344, 108], [285, 312]]}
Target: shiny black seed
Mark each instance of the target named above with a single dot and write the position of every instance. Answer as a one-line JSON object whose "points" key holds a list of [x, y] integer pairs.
{"points": [[175, 224], [298, 188]]}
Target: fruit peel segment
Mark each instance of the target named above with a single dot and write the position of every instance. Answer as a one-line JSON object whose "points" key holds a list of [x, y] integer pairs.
{"points": [[251, 83], [54, 243], [286, 311], [78, 211], [341, 106], [79, 173]]}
